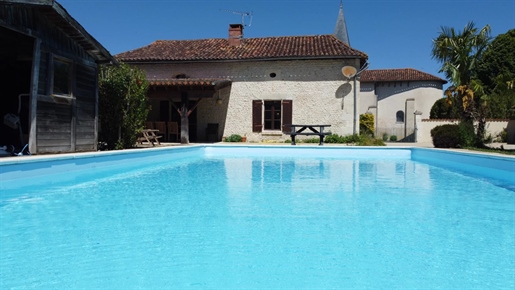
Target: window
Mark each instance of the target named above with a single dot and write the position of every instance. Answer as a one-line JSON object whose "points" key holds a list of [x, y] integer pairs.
{"points": [[271, 115], [61, 82], [400, 117]]}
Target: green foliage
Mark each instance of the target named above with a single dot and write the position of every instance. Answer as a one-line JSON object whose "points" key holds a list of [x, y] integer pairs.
{"points": [[311, 140], [352, 139], [360, 140], [385, 137], [367, 140], [233, 138], [496, 71], [459, 51], [366, 124], [498, 61], [502, 136], [123, 105], [446, 136], [441, 109], [467, 135], [333, 138], [393, 138]]}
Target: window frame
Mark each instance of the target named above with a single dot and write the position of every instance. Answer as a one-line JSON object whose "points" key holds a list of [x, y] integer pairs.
{"points": [[68, 94], [273, 107], [398, 117], [285, 119]]}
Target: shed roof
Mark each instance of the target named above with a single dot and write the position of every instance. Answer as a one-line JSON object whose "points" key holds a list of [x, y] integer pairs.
{"points": [[268, 48], [403, 74], [57, 15]]}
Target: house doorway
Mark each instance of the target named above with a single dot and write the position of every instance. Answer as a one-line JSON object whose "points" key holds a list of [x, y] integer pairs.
{"points": [[16, 56]]}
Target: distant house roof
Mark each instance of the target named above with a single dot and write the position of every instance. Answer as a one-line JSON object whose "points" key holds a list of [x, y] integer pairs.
{"points": [[268, 48], [391, 75], [56, 14]]}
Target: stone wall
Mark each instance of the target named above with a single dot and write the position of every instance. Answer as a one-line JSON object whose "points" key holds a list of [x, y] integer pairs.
{"points": [[317, 88]]}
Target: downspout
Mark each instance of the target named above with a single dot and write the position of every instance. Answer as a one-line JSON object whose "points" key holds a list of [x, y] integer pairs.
{"points": [[356, 121], [355, 109], [354, 129]]}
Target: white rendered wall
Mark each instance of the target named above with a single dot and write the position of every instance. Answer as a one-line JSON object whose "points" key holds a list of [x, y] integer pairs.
{"points": [[391, 97], [492, 127]]}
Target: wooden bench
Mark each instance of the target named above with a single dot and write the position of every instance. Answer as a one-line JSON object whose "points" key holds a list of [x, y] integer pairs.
{"points": [[314, 130], [150, 136]]}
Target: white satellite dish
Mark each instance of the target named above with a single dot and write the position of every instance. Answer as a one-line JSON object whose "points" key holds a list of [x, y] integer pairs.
{"points": [[349, 71]]}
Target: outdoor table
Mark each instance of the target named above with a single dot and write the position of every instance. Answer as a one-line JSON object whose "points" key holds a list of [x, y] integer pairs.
{"points": [[316, 130]]}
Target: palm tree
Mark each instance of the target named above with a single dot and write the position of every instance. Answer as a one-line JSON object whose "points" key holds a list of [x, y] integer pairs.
{"points": [[459, 53]]}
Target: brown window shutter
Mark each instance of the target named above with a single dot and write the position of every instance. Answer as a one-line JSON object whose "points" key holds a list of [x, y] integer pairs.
{"points": [[287, 115], [257, 116]]}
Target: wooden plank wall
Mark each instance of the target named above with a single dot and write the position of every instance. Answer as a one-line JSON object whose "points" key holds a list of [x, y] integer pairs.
{"points": [[86, 108], [60, 126]]}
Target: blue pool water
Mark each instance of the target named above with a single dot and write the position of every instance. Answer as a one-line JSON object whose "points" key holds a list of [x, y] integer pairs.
{"points": [[248, 219]]}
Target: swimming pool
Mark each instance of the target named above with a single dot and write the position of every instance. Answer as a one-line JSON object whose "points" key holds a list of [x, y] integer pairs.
{"points": [[259, 217]]}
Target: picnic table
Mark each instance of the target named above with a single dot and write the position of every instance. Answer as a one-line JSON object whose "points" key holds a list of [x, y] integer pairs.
{"points": [[150, 136], [315, 130]]}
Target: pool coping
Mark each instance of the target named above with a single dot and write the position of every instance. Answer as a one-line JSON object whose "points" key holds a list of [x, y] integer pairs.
{"points": [[79, 155]]}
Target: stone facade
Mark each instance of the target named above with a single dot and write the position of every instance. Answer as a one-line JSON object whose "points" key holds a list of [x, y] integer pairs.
{"points": [[317, 89]]}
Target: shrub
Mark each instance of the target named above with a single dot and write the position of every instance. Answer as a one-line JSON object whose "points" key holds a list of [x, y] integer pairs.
{"points": [[122, 105], [502, 136], [311, 140], [365, 140], [393, 138], [233, 138], [333, 138], [446, 136], [352, 139], [385, 137], [366, 124], [467, 136]]}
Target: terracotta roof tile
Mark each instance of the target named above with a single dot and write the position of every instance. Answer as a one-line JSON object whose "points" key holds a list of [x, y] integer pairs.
{"points": [[390, 75], [321, 46], [189, 82]]}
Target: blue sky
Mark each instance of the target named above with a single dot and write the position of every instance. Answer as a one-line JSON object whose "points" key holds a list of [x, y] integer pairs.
{"points": [[394, 33]]}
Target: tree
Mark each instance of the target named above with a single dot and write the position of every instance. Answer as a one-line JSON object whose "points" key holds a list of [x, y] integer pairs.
{"points": [[441, 109], [123, 105], [459, 52], [496, 71]]}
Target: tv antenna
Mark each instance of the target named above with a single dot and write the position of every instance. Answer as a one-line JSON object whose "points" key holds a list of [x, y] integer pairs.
{"points": [[243, 15]]}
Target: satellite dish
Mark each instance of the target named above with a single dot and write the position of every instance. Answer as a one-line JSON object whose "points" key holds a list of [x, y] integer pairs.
{"points": [[349, 71]]}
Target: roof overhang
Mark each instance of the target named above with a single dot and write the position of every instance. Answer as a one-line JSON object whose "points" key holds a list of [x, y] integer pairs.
{"points": [[190, 83], [57, 15]]}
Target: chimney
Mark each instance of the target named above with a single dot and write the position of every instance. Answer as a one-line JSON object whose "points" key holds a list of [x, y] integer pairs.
{"points": [[235, 34]]}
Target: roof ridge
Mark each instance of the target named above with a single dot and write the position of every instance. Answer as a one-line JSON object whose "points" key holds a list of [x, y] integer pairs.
{"points": [[271, 47]]}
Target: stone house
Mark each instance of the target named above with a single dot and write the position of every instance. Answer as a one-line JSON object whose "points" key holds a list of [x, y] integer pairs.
{"points": [[396, 96], [250, 86]]}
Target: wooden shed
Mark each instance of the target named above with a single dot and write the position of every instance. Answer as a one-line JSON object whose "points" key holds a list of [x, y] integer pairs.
{"points": [[48, 78]]}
